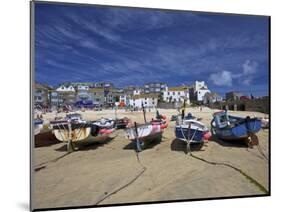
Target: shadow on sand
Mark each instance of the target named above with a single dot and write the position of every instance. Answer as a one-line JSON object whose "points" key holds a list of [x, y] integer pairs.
{"points": [[86, 146], [149, 145], [234, 143], [178, 145], [45, 139]]}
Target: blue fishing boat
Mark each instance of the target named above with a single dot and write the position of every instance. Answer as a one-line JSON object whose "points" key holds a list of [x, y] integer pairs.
{"points": [[191, 131], [228, 127]]}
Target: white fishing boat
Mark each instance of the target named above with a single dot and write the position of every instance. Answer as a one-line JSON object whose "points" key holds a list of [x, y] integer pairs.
{"points": [[73, 129], [142, 134], [190, 130]]}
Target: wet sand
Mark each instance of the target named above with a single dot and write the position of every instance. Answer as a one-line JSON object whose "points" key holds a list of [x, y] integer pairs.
{"points": [[90, 175]]}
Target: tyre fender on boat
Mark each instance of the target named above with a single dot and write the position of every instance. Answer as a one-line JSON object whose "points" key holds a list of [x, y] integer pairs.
{"points": [[207, 135], [164, 125]]}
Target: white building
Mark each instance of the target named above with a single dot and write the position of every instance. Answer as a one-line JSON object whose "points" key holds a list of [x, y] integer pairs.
{"points": [[82, 87], [67, 94], [199, 90], [136, 92], [83, 92], [123, 98], [201, 93], [148, 101], [176, 94], [64, 88], [211, 98], [199, 85]]}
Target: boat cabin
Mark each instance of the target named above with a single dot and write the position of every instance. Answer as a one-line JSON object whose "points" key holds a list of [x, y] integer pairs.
{"points": [[221, 119]]}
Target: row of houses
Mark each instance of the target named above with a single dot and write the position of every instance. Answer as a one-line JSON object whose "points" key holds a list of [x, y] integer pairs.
{"points": [[104, 94]]}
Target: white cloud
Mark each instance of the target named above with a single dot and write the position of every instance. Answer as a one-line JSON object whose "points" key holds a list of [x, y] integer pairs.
{"points": [[249, 67], [223, 78], [88, 44], [247, 81]]}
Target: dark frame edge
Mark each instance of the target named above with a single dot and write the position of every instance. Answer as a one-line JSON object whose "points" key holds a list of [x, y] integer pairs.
{"points": [[149, 203], [145, 8], [31, 77], [269, 106]]}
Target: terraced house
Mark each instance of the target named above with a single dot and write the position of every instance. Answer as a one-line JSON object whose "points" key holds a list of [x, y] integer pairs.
{"points": [[155, 88], [176, 94], [66, 94], [148, 101], [41, 94], [97, 96]]}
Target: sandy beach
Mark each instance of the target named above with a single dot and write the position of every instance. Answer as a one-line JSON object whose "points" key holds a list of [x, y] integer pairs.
{"points": [[89, 175]]}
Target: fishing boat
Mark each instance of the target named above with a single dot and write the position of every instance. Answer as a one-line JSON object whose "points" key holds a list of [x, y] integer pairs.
{"points": [[143, 134], [38, 126], [265, 123], [228, 127], [122, 123], [73, 129], [191, 131]]}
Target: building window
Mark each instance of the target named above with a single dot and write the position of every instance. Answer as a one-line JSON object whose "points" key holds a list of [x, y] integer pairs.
{"points": [[145, 103], [179, 93], [173, 93], [145, 99], [168, 93]]}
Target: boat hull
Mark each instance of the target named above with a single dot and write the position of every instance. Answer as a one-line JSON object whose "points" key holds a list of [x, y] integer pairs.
{"points": [[195, 136], [79, 136], [38, 128], [191, 130], [147, 133], [238, 131]]}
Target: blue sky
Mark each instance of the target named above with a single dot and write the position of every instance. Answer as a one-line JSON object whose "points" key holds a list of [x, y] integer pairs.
{"points": [[135, 46]]}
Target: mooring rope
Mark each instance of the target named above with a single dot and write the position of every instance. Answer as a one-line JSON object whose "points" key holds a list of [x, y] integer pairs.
{"points": [[127, 184], [252, 180], [261, 152], [53, 160], [188, 141]]}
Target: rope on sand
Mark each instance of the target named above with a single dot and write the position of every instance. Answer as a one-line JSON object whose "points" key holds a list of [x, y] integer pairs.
{"points": [[252, 180], [127, 184], [51, 161], [261, 152]]}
